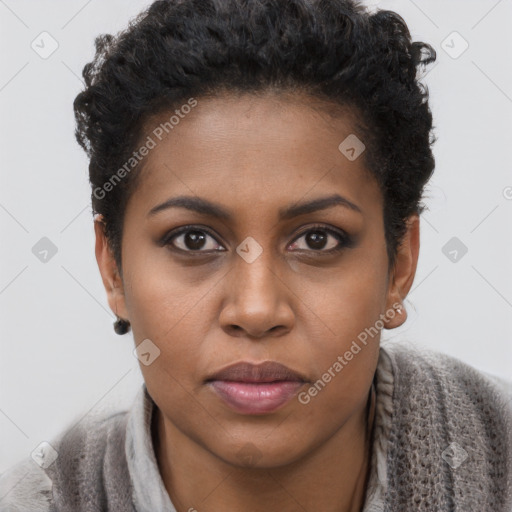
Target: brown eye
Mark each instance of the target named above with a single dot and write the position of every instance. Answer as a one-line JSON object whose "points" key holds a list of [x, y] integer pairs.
{"points": [[321, 239], [317, 239], [193, 240]]}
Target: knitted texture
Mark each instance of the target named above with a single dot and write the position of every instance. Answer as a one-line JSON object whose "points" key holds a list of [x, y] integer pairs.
{"points": [[91, 474], [437, 401]]}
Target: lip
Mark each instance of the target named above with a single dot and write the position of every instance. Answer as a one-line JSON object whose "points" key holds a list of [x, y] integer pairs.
{"points": [[251, 388]]}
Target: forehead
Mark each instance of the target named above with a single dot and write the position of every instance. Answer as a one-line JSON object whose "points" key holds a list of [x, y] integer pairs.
{"points": [[253, 150]]}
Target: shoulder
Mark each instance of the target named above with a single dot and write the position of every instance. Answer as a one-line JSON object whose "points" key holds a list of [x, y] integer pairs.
{"points": [[25, 486], [445, 374], [425, 380], [78, 450], [451, 427]]}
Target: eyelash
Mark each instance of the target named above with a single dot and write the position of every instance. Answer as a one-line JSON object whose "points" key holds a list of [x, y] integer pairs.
{"points": [[344, 240]]}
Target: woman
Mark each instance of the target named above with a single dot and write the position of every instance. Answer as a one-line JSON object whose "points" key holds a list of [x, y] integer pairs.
{"points": [[257, 170]]}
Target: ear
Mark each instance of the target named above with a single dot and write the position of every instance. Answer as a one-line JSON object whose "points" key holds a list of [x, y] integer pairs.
{"points": [[109, 272], [403, 272]]}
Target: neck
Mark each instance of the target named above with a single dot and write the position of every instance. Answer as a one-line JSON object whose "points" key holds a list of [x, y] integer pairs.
{"points": [[339, 467]]}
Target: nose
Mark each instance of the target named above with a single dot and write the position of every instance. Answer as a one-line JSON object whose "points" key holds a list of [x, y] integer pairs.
{"points": [[257, 300]]}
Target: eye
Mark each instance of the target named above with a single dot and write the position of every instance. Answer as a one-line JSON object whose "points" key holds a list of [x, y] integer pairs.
{"points": [[192, 239], [195, 239], [321, 239]]}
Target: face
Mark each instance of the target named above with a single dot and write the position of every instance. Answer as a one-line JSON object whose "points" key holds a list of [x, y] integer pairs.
{"points": [[275, 252]]}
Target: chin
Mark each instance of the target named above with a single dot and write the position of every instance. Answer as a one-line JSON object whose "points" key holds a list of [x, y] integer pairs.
{"points": [[262, 454]]}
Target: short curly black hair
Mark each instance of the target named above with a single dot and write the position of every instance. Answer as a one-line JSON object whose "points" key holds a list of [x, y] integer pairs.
{"points": [[333, 50]]}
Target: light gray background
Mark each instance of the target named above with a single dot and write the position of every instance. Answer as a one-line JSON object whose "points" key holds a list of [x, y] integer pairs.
{"points": [[60, 357]]}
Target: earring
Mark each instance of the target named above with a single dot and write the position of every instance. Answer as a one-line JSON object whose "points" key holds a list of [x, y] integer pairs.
{"points": [[399, 310], [121, 326]]}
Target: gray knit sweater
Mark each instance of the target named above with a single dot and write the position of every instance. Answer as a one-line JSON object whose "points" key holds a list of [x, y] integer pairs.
{"points": [[442, 441]]}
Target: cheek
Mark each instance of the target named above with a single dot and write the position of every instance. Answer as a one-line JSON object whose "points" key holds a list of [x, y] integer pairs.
{"points": [[345, 361], [347, 309], [159, 294], [349, 301], [170, 312]]}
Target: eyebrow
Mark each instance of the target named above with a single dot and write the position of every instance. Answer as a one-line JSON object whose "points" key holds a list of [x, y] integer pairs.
{"points": [[205, 207]]}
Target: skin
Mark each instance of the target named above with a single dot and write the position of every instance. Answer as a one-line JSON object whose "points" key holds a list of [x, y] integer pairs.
{"points": [[294, 304]]}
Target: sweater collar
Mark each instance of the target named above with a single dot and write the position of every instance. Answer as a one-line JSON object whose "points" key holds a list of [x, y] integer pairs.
{"points": [[149, 492]]}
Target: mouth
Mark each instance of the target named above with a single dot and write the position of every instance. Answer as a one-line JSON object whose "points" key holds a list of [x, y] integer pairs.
{"points": [[256, 389]]}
